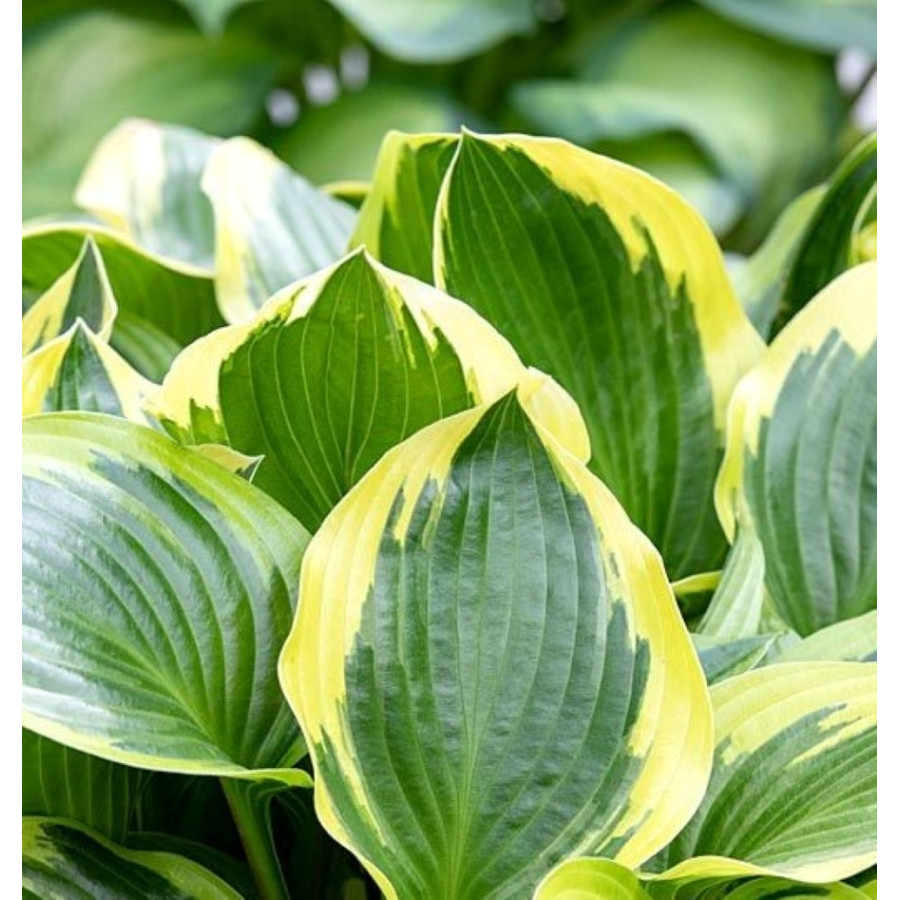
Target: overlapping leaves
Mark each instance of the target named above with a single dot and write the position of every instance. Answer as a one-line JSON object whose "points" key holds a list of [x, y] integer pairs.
{"points": [[610, 283]]}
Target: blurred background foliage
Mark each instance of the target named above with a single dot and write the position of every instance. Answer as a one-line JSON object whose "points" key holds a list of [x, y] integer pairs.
{"points": [[738, 104]]}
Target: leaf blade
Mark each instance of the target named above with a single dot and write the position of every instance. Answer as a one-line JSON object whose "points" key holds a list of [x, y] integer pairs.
{"points": [[401, 813]]}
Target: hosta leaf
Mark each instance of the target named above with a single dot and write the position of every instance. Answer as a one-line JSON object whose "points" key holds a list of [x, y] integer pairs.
{"points": [[678, 162], [230, 459], [437, 30], [272, 226], [396, 220], [591, 879], [726, 657], [793, 783], [824, 24], [340, 141], [506, 679], [759, 280], [63, 860], [157, 591], [88, 72], [171, 297], [735, 610], [333, 373], [146, 347], [80, 371], [351, 192], [854, 639], [60, 781], [653, 77], [602, 879], [236, 874], [81, 293], [607, 280], [830, 243], [800, 468], [143, 179]]}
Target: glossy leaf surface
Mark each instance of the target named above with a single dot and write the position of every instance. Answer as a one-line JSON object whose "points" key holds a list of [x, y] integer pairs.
{"points": [[800, 468], [506, 679], [604, 278], [157, 591]]}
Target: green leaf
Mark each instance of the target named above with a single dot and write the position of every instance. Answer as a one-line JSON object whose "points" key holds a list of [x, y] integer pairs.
{"points": [[396, 219], [337, 371], [437, 30], [146, 347], [823, 24], [81, 294], [854, 639], [158, 589], [78, 371], [607, 280], [340, 141], [830, 242], [90, 71], [63, 860], [793, 783], [585, 879], [800, 467], [760, 280], [602, 879], [234, 873], [735, 611], [143, 179], [272, 226], [175, 298], [767, 122], [506, 679], [59, 781], [725, 657]]}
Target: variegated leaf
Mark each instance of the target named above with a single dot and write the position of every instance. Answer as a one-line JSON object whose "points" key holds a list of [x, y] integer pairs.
{"points": [[172, 297], [272, 226], [793, 785], [78, 371], [336, 371], [143, 180], [66, 861], [395, 222], [82, 293], [60, 781], [506, 680], [840, 233], [157, 589], [607, 280], [800, 467]]}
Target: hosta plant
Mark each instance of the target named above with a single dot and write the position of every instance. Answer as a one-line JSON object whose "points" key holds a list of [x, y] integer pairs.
{"points": [[488, 540]]}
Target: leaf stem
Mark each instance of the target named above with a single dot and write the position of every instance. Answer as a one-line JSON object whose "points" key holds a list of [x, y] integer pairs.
{"points": [[251, 817]]}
